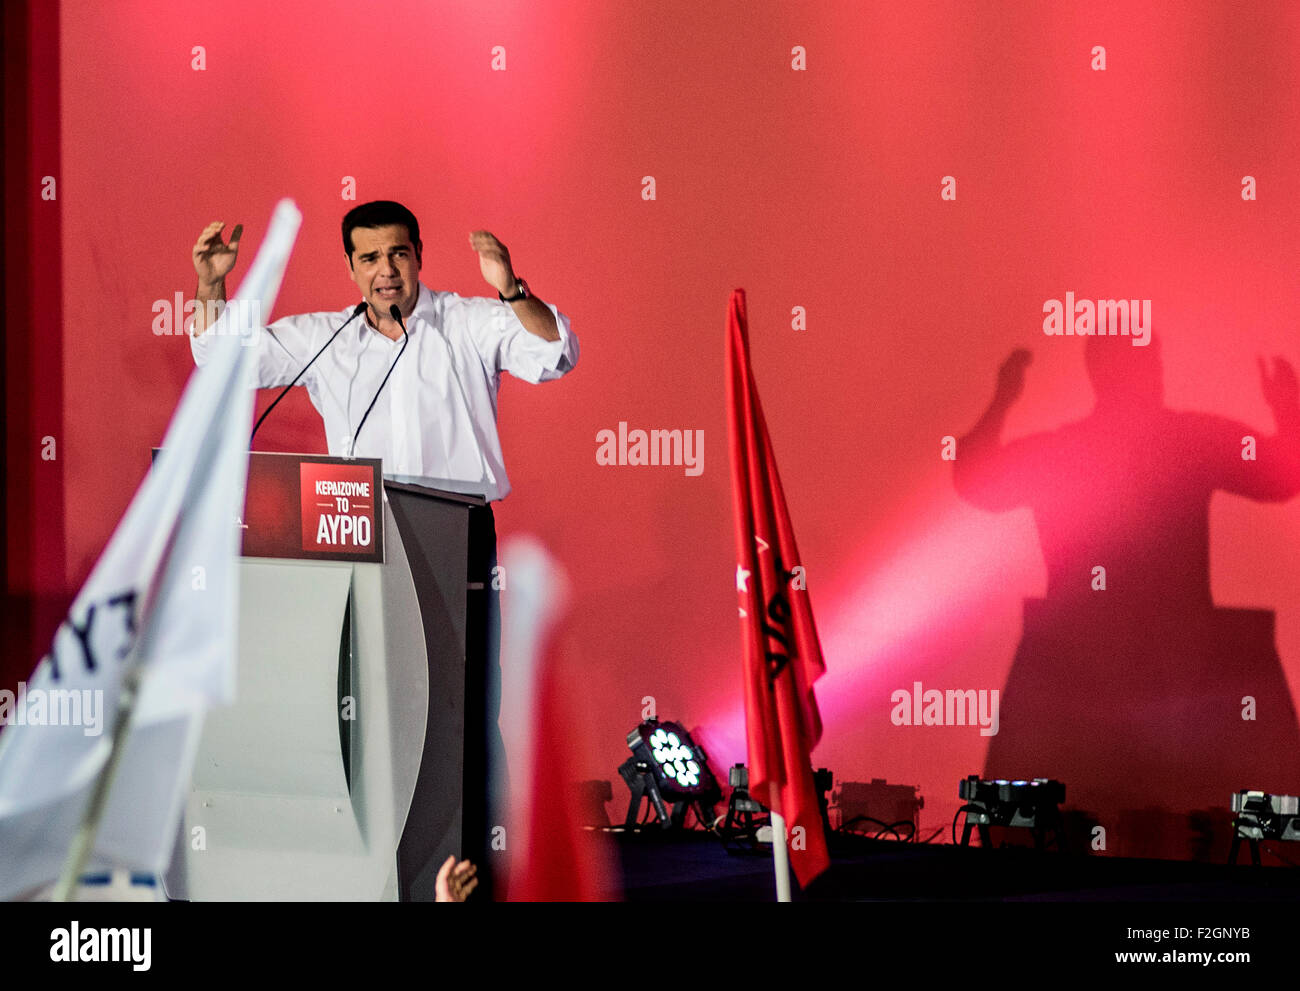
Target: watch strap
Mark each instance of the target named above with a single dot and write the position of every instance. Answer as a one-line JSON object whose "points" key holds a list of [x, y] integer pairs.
{"points": [[521, 292]]}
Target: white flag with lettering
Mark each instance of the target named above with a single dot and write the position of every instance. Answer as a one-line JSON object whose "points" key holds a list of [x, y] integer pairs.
{"points": [[165, 594]]}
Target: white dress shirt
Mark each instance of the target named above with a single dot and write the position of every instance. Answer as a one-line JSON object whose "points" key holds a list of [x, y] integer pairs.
{"points": [[436, 419]]}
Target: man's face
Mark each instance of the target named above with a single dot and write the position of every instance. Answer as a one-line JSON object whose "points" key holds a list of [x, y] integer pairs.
{"points": [[385, 266]]}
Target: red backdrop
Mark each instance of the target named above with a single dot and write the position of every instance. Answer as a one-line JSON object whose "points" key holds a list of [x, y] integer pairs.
{"points": [[817, 188]]}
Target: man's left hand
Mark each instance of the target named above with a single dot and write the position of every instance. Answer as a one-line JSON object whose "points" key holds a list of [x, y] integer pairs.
{"points": [[493, 261], [1281, 389]]}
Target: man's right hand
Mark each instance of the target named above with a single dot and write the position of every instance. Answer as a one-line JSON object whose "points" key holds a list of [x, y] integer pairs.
{"points": [[213, 258]]}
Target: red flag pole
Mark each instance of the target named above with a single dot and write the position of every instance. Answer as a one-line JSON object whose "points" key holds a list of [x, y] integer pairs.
{"points": [[781, 653]]}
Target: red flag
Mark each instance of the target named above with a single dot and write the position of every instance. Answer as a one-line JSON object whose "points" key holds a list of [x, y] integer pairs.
{"points": [[565, 862], [551, 856], [782, 655]]}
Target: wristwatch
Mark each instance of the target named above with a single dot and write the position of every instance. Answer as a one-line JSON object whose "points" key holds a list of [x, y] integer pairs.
{"points": [[521, 292]]}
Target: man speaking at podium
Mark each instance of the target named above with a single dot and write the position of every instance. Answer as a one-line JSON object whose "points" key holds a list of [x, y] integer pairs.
{"points": [[430, 414], [435, 416]]}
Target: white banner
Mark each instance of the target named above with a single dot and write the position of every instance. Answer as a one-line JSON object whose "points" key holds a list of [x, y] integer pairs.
{"points": [[164, 593]]}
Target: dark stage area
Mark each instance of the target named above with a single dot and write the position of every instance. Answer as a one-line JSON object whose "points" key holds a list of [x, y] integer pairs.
{"points": [[695, 866]]}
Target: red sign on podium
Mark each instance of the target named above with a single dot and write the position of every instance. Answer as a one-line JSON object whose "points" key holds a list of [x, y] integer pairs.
{"points": [[312, 507], [338, 507], [315, 507]]}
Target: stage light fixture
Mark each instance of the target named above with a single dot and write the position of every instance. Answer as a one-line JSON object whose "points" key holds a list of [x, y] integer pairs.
{"points": [[745, 814], [748, 826], [1261, 816], [877, 808], [1032, 805], [675, 758], [666, 764]]}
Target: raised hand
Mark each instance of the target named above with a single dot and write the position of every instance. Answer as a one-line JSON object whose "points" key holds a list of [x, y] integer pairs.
{"points": [[1011, 377], [1281, 389], [493, 262], [213, 258]]}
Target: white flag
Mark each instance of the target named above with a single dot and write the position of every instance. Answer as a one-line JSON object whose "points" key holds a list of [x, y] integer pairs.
{"points": [[165, 587]]}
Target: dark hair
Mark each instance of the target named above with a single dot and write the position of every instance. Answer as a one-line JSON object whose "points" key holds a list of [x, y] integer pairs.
{"points": [[379, 213]]}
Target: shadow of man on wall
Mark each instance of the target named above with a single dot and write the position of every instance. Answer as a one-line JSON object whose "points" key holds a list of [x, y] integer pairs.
{"points": [[1129, 685]]}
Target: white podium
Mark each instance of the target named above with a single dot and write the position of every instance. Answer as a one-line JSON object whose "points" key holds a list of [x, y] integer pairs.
{"points": [[301, 789], [340, 772]]}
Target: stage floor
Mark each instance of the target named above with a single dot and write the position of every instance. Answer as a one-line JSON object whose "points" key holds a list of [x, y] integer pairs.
{"points": [[694, 866]]}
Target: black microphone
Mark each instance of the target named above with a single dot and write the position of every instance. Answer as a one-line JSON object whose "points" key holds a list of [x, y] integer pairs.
{"points": [[356, 312], [396, 314]]}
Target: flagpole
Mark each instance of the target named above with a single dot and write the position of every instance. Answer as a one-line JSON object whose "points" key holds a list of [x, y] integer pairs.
{"points": [[780, 858], [84, 841]]}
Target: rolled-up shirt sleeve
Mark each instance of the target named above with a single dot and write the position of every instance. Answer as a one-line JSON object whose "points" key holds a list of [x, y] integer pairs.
{"points": [[506, 345], [282, 348]]}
